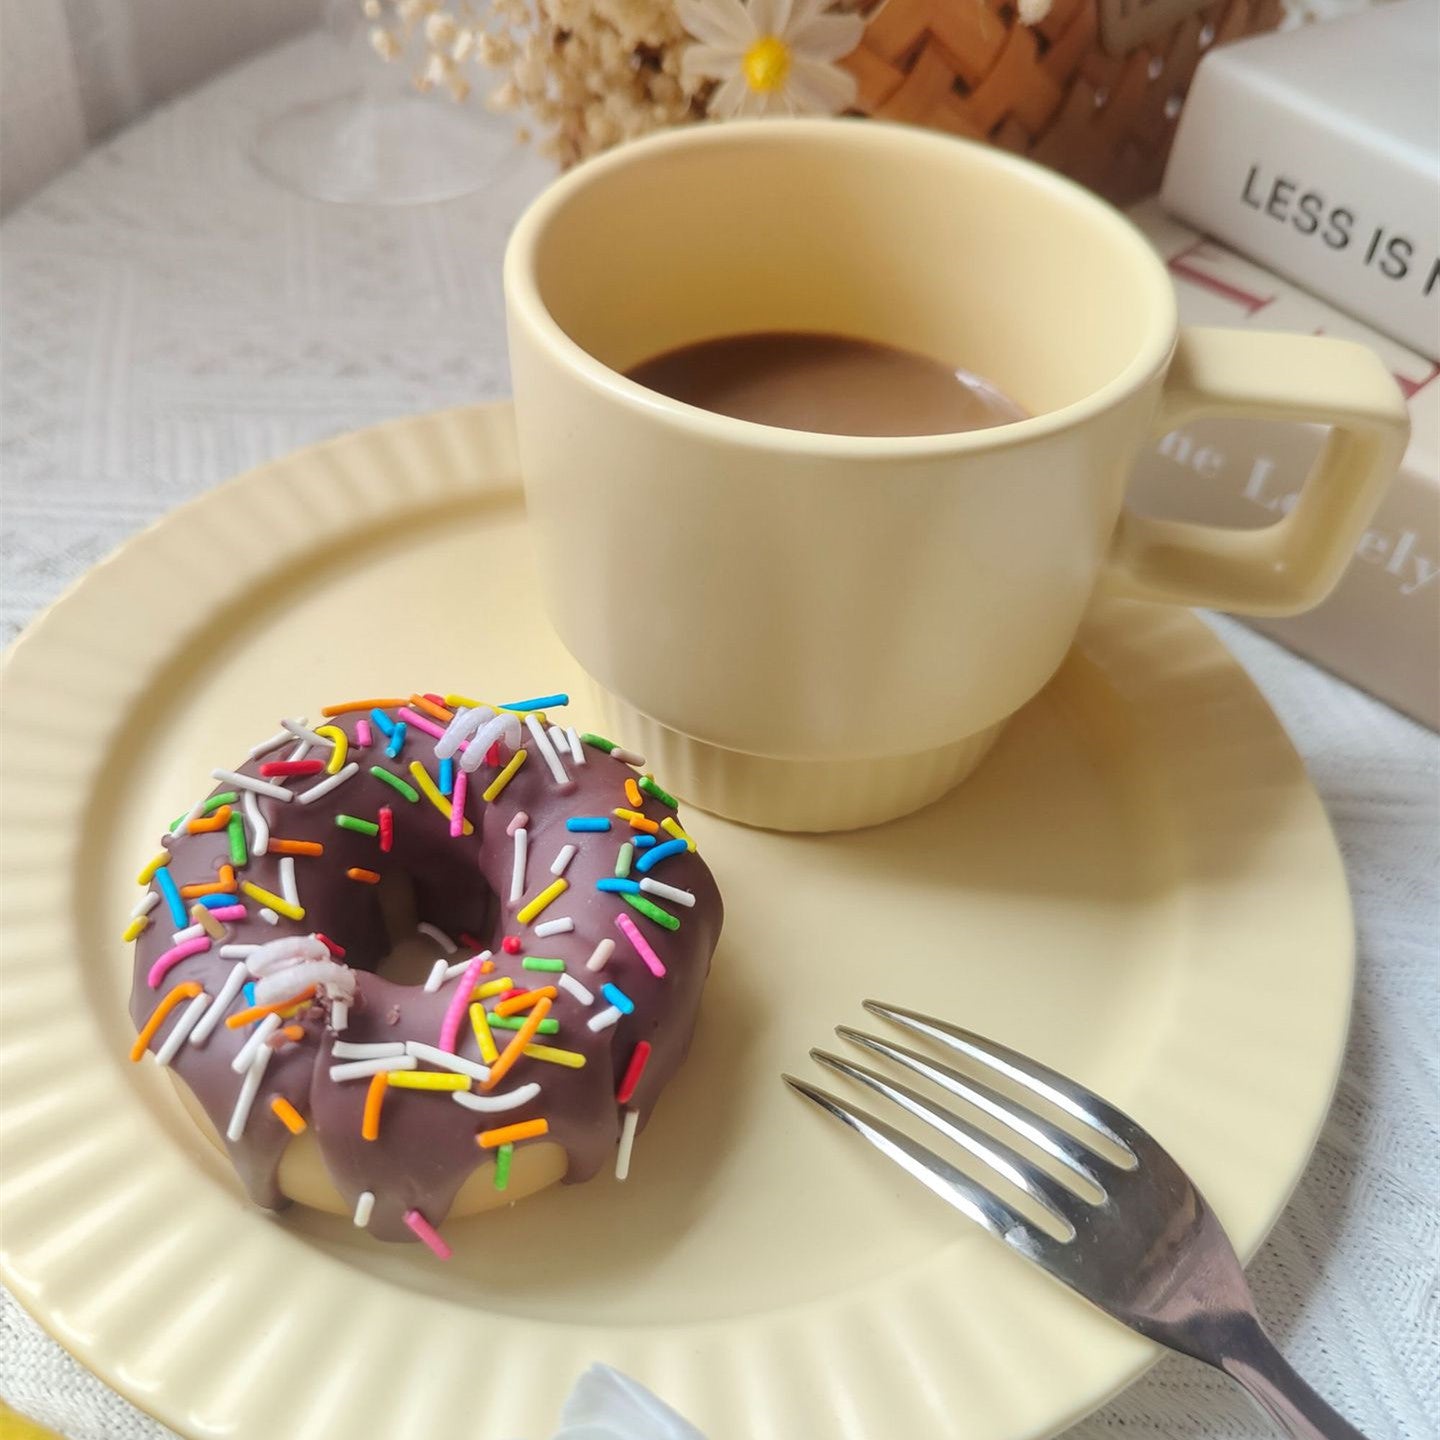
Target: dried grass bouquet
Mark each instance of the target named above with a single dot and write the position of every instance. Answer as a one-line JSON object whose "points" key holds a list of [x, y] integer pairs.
{"points": [[591, 73]]}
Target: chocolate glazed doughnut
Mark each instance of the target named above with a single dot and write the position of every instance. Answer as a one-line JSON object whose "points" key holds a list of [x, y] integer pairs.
{"points": [[572, 922]]}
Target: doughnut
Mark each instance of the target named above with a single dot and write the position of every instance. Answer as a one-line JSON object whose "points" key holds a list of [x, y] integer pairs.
{"points": [[424, 958]]}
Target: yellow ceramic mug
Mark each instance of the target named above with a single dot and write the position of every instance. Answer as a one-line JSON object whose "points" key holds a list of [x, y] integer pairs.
{"points": [[817, 632]]}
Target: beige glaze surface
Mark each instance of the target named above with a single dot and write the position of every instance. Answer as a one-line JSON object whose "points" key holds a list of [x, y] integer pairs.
{"points": [[1139, 885], [904, 595]]}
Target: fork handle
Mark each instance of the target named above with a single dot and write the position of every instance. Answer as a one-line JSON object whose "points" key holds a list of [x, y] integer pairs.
{"points": [[1255, 1364]]}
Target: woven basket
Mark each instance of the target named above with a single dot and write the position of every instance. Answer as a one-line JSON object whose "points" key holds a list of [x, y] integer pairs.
{"points": [[1094, 90]]}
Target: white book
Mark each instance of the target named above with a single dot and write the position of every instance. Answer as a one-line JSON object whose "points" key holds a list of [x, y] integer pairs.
{"points": [[1316, 152]]}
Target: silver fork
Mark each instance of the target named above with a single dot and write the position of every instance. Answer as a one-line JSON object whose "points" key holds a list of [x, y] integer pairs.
{"points": [[1142, 1244]]}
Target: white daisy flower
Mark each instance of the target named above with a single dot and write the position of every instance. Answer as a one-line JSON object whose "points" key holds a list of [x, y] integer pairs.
{"points": [[771, 57]]}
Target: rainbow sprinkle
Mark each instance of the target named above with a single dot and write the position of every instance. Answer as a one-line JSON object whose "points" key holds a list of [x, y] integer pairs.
{"points": [[639, 1057], [427, 1080], [541, 702], [345, 707], [455, 1012], [397, 740], [156, 862], [459, 825], [546, 897], [277, 903], [339, 746], [524, 1000], [236, 833], [287, 1114], [627, 1144], [374, 1103], [395, 783], [503, 1154], [419, 722], [668, 892], [218, 901], [651, 858], [509, 1134], [427, 1233], [226, 797], [173, 956], [572, 1059], [546, 747], [628, 928], [165, 883], [637, 821], [618, 998], [430, 705], [514, 1022], [186, 990], [648, 785], [496, 788], [651, 911], [484, 1040], [431, 791]]}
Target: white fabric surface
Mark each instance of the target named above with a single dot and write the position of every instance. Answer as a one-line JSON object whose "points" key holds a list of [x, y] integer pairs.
{"points": [[171, 318], [74, 71]]}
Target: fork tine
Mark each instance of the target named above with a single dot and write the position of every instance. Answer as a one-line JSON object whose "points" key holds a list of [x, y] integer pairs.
{"points": [[938, 1176], [999, 1157], [1073, 1098], [1059, 1144]]}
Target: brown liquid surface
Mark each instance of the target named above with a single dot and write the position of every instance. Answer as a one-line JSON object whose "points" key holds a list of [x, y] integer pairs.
{"points": [[826, 384]]}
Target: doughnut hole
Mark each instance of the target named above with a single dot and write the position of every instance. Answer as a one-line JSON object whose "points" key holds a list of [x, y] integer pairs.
{"points": [[385, 937]]}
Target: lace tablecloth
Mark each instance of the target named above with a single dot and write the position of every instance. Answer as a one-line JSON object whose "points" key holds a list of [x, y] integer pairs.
{"points": [[171, 318]]}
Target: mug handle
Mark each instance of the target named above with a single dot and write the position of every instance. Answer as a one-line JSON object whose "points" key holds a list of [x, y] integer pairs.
{"points": [[1291, 565]]}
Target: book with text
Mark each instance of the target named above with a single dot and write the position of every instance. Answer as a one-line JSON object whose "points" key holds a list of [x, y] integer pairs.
{"points": [[1316, 152]]}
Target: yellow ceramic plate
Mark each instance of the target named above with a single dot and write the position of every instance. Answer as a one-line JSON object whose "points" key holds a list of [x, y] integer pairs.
{"points": [[1139, 886]]}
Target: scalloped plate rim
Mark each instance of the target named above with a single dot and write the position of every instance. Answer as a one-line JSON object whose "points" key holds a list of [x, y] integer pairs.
{"points": [[492, 423]]}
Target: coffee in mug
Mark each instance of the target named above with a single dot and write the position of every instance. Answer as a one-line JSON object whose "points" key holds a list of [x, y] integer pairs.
{"points": [[814, 631], [826, 385]]}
